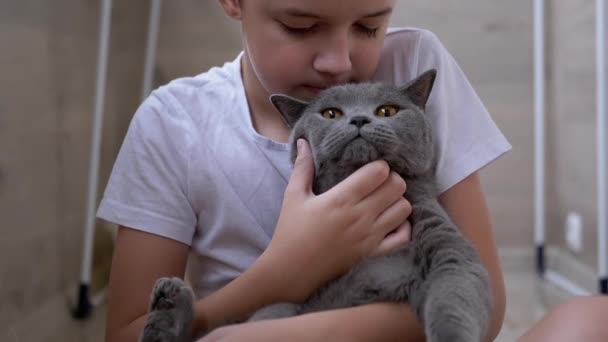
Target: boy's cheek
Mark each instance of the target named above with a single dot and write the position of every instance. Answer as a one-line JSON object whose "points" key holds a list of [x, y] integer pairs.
{"points": [[285, 70]]}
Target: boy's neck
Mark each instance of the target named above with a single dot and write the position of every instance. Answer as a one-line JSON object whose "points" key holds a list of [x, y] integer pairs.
{"points": [[266, 120]]}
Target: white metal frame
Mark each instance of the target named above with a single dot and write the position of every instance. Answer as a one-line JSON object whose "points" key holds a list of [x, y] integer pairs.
{"points": [[539, 152], [601, 142], [85, 304], [539, 132], [150, 58]]}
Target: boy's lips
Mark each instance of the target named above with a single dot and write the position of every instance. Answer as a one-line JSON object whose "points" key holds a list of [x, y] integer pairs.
{"points": [[314, 89]]}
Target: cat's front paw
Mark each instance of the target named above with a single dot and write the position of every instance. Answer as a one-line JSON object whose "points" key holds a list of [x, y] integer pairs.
{"points": [[170, 313], [169, 293], [280, 310]]}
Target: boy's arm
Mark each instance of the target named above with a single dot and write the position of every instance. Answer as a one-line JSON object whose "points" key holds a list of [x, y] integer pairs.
{"points": [[141, 258], [373, 322]]}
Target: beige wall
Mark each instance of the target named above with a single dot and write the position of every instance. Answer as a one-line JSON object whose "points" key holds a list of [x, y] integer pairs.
{"points": [[571, 163], [47, 66], [194, 36]]}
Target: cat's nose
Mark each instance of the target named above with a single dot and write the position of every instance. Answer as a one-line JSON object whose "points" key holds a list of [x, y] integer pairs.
{"points": [[359, 121]]}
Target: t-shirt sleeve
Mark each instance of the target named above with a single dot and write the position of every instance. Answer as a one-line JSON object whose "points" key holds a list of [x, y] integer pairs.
{"points": [[467, 137], [147, 189]]}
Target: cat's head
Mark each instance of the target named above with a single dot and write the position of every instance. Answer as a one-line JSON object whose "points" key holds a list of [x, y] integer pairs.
{"points": [[353, 124]]}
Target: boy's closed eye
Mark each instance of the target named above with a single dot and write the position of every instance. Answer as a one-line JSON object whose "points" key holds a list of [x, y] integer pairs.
{"points": [[302, 30], [302, 23]]}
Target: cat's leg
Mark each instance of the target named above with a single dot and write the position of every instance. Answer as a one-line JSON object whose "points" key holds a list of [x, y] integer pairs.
{"points": [[456, 309], [279, 310], [170, 314], [451, 290]]}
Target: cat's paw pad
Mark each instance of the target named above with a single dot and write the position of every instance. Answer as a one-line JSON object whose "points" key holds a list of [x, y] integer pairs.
{"points": [[169, 293], [170, 315]]}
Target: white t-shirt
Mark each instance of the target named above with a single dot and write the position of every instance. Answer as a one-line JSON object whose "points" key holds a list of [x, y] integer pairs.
{"points": [[192, 168]]}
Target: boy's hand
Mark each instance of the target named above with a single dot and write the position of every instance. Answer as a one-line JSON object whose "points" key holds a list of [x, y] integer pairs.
{"points": [[318, 238], [396, 239]]}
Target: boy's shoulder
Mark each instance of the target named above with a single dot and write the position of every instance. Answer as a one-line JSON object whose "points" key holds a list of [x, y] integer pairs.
{"points": [[220, 84], [407, 52], [413, 39]]}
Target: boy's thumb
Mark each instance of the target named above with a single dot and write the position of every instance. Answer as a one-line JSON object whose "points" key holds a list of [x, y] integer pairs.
{"points": [[303, 169]]}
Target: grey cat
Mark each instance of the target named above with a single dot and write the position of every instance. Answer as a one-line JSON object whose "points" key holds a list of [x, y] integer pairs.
{"points": [[438, 273]]}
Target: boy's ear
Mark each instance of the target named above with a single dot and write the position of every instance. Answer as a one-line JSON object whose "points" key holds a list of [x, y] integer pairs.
{"points": [[419, 89], [232, 8], [291, 109]]}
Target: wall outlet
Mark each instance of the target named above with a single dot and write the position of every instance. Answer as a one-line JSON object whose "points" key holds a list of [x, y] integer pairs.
{"points": [[574, 232]]}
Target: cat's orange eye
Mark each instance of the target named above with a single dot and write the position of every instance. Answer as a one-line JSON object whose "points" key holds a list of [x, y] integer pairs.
{"points": [[386, 111], [332, 113]]}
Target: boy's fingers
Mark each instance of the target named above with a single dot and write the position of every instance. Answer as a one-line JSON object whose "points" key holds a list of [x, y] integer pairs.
{"points": [[303, 169], [394, 241], [385, 195], [393, 216], [361, 183]]}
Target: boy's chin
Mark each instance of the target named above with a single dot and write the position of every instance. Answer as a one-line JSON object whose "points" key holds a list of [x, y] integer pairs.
{"points": [[303, 93], [306, 93]]}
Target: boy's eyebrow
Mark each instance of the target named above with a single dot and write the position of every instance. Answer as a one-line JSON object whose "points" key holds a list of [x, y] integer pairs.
{"points": [[379, 13], [295, 12]]}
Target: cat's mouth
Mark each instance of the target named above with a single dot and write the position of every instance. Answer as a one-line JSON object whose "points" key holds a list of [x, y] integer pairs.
{"points": [[364, 137]]}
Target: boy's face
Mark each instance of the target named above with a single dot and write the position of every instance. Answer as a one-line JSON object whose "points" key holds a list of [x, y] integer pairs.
{"points": [[299, 47]]}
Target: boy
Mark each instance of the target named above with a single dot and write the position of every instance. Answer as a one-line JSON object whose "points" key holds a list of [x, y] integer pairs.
{"points": [[204, 169]]}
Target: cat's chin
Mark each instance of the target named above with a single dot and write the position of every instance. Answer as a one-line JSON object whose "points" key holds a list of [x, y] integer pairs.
{"points": [[359, 152]]}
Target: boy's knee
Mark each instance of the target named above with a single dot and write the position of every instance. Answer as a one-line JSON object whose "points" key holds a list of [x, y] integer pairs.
{"points": [[582, 307], [586, 313], [578, 319]]}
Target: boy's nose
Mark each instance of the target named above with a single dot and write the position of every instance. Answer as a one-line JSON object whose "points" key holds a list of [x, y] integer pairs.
{"points": [[334, 57]]}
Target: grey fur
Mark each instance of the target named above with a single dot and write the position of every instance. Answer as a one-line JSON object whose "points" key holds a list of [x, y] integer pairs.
{"points": [[438, 274]]}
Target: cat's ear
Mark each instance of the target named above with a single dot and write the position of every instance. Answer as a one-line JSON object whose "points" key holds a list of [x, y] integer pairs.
{"points": [[291, 109], [419, 89]]}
